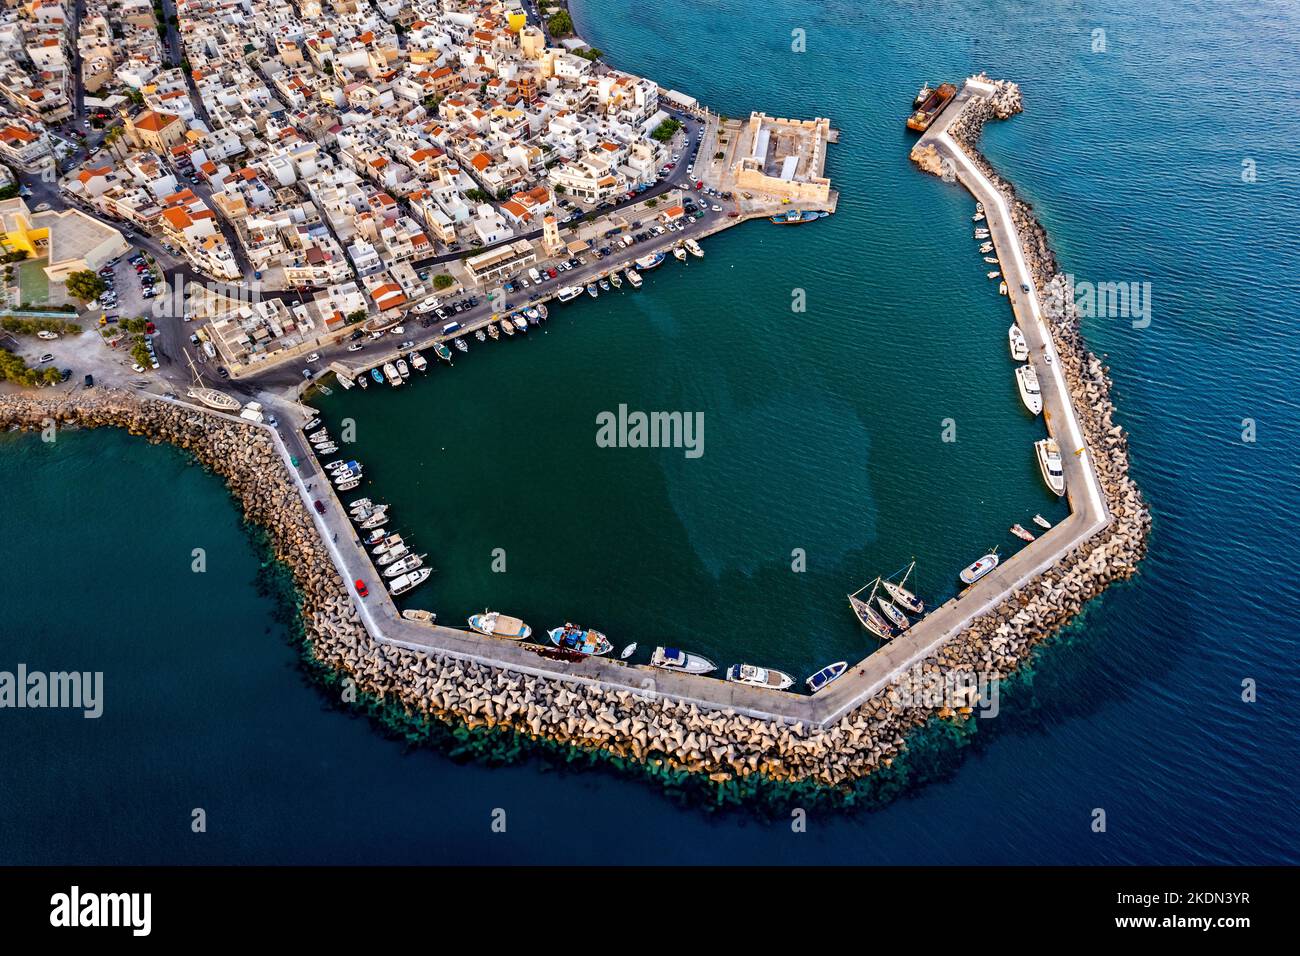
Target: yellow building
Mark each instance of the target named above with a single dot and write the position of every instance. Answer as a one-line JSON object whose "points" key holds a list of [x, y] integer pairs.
{"points": [[516, 19], [70, 240]]}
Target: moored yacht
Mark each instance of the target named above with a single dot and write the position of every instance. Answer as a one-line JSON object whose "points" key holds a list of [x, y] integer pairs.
{"points": [[404, 564], [972, 573], [827, 674], [671, 659], [757, 676], [1030, 394], [904, 598], [1049, 463], [1019, 347], [409, 582], [633, 277], [496, 624], [896, 617], [392, 375], [571, 637], [694, 249]]}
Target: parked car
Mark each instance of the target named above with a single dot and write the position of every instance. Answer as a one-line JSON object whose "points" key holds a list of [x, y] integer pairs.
{"points": [[362, 590], [320, 506]]}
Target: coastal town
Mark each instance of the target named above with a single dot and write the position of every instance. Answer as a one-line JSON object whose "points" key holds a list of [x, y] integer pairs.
{"points": [[266, 185]]}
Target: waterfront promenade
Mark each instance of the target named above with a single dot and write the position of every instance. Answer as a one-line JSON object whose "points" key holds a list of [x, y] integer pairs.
{"points": [[866, 678]]}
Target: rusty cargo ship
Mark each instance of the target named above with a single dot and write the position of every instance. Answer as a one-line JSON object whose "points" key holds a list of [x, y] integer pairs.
{"points": [[930, 107]]}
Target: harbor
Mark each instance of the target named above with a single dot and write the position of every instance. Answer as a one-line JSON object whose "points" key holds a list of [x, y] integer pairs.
{"points": [[699, 723]]}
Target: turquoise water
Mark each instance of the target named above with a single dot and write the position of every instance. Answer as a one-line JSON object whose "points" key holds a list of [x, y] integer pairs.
{"points": [[821, 432]]}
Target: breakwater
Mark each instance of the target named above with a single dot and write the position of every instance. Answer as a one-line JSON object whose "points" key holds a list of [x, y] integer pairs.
{"points": [[677, 739]]}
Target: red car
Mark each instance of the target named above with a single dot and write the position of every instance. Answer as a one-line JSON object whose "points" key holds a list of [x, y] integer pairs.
{"points": [[362, 590], [320, 506], [552, 273], [699, 184]]}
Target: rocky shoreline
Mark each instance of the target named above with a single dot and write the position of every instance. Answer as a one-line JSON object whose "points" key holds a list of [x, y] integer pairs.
{"points": [[422, 694]]}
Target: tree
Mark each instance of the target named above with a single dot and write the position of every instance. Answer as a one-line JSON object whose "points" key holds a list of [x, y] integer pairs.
{"points": [[85, 285], [666, 130], [358, 316], [443, 281], [560, 24]]}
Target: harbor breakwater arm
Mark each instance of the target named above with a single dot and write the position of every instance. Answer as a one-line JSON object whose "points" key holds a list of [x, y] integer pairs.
{"points": [[694, 724]]}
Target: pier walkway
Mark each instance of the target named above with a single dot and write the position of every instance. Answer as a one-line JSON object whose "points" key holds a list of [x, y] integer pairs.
{"points": [[865, 679]]}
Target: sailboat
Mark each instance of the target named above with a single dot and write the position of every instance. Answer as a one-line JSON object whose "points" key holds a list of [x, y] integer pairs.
{"points": [[210, 397], [867, 615], [904, 598]]}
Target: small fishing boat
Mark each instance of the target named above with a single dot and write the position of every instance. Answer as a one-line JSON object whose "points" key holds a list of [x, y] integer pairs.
{"points": [[347, 485], [386, 544], [330, 449], [652, 261], [377, 375], [363, 380], [403, 564], [409, 582], [520, 322], [496, 624], [312, 425], [392, 375], [402, 368], [671, 659], [361, 504], [543, 311], [994, 274], [532, 315], [343, 380], [983, 566], [979, 207], [1002, 288], [374, 521], [419, 616], [633, 277], [694, 249], [440, 349], [1030, 394], [991, 260], [986, 247], [757, 676], [604, 285], [419, 362], [507, 327], [871, 619], [824, 676], [615, 280], [896, 617], [571, 637], [978, 217], [904, 598], [461, 344], [1042, 522], [1022, 533], [374, 537], [493, 331], [679, 253], [591, 290], [1049, 463], [627, 651], [1019, 347], [480, 335], [394, 553]]}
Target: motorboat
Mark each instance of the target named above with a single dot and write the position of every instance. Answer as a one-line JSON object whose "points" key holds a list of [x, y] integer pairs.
{"points": [[404, 564], [1049, 463], [571, 637], [591, 290], [633, 277], [569, 293], [604, 285], [312, 425], [393, 554], [461, 344], [330, 449], [496, 624], [348, 485], [994, 274], [386, 544], [651, 261], [615, 280], [440, 349], [393, 376], [409, 582], [1021, 532], [493, 331], [672, 659], [1002, 288], [904, 598], [896, 617], [373, 521], [973, 572], [679, 253], [363, 381], [377, 375], [402, 368], [507, 327], [627, 651], [991, 260], [520, 322], [1030, 394], [480, 335], [756, 676], [1019, 347], [694, 249], [824, 676], [419, 616], [419, 362], [361, 504], [343, 380], [1042, 522]]}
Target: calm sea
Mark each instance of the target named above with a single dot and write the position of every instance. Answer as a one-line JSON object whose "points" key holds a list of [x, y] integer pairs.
{"points": [[822, 437]]}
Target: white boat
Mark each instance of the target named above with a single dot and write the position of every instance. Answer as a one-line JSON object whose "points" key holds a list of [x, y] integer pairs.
{"points": [[318, 433], [388, 544], [633, 277], [870, 618], [373, 521], [904, 598], [375, 536], [349, 478], [361, 504], [392, 375], [403, 565], [1002, 288], [568, 293], [627, 651], [824, 676], [679, 253], [1049, 463], [671, 659], [758, 676], [694, 249], [496, 624], [409, 582], [981, 233], [986, 248], [362, 381], [983, 566], [1021, 532], [520, 323], [615, 281], [896, 617], [419, 362], [493, 331], [480, 335], [461, 344], [1030, 394], [428, 305], [402, 368], [978, 217], [344, 381], [313, 425], [394, 553], [991, 260], [347, 485], [419, 616], [330, 449], [1019, 347], [994, 274], [1042, 522], [214, 399]]}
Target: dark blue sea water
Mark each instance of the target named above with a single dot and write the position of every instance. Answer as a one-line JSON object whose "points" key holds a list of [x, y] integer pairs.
{"points": [[1133, 157]]}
